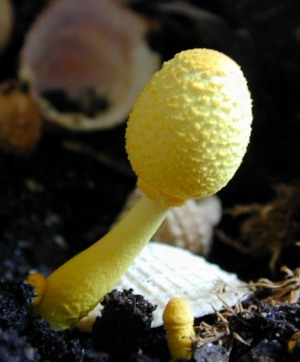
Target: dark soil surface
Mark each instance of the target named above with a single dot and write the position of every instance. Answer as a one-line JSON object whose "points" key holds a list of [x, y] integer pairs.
{"points": [[61, 197]]}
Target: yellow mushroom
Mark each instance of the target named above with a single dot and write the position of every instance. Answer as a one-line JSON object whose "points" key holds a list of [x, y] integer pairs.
{"points": [[39, 282], [186, 137], [179, 325]]}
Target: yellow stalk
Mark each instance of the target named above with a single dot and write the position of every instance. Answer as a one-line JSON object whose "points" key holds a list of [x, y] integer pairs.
{"points": [[77, 286]]}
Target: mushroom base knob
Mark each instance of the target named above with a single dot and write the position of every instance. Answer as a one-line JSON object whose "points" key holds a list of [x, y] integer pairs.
{"points": [[190, 127]]}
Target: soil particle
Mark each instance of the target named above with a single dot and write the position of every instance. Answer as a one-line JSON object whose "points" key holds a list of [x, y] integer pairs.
{"points": [[54, 345], [265, 351], [124, 325], [211, 352], [14, 347], [15, 297]]}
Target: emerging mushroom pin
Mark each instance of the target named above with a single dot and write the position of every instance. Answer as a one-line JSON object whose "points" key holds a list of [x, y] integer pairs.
{"points": [[179, 325], [186, 137]]}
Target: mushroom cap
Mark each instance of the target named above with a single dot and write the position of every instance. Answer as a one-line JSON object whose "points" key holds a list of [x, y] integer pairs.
{"points": [[177, 312], [190, 127]]}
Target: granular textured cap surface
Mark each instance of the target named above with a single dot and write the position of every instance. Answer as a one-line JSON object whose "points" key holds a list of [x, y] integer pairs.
{"points": [[190, 127]]}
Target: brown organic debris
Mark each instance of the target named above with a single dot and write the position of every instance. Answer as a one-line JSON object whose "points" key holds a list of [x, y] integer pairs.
{"points": [[221, 332], [259, 326], [285, 291], [20, 118], [268, 228]]}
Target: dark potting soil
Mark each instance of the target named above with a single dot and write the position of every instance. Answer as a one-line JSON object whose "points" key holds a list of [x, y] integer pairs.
{"points": [[258, 331]]}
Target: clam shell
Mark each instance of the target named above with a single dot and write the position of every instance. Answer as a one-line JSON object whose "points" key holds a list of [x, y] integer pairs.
{"points": [[86, 61], [189, 226], [6, 22], [162, 272]]}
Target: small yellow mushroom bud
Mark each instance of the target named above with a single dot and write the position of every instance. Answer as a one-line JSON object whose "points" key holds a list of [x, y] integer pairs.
{"points": [[39, 283], [190, 127], [179, 325], [186, 137], [293, 342]]}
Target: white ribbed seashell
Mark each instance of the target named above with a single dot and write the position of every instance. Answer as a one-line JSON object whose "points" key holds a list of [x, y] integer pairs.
{"points": [[6, 22], [86, 61], [162, 272], [189, 226]]}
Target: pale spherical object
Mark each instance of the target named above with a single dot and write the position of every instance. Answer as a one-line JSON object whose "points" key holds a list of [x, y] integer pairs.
{"points": [[190, 127]]}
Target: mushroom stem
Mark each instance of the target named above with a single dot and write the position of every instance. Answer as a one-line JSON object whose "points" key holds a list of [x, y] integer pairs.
{"points": [[179, 325], [77, 286]]}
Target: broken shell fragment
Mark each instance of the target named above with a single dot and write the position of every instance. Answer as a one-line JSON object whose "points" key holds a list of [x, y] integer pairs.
{"points": [[86, 61], [189, 226], [20, 119], [162, 271], [6, 22]]}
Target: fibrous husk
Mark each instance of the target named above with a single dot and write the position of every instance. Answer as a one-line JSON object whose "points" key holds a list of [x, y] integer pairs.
{"points": [[268, 229], [20, 119]]}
